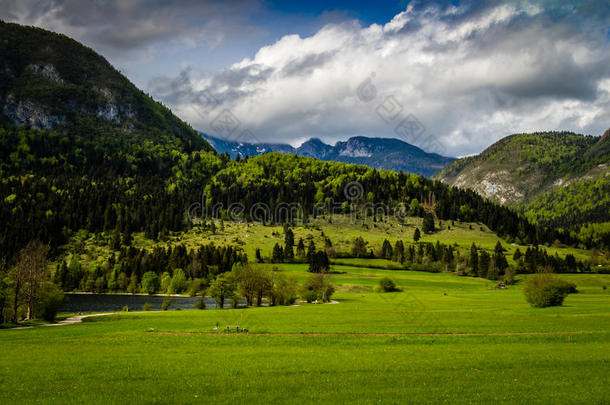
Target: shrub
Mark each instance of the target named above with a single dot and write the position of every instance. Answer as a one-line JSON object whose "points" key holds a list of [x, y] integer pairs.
{"points": [[544, 290], [317, 287], [146, 307], [125, 308], [387, 285], [167, 302], [310, 296], [51, 299]]}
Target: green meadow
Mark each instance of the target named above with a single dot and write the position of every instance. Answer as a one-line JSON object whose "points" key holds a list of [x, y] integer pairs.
{"points": [[340, 229], [443, 338]]}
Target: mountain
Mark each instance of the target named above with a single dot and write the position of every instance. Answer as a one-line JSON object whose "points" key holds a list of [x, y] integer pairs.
{"points": [[556, 178], [379, 153], [82, 148], [51, 82], [233, 148]]}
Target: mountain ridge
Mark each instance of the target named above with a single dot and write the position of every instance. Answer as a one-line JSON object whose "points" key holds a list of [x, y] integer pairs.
{"points": [[49, 81], [379, 153], [541, 172]]}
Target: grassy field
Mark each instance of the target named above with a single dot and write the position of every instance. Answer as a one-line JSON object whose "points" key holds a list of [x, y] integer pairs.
{"points": [[442, 339], [341, 231]]}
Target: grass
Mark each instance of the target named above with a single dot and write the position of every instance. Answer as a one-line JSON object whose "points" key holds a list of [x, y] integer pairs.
{"points": [[366, 349], [342, 231]]}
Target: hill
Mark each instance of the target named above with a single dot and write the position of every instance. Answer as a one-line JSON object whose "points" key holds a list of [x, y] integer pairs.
{"points": [[80, 146], [551, 175], [379, 153], [51, 82]]}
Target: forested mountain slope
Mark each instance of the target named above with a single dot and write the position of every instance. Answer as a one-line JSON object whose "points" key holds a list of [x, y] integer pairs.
{"points": [[557, 178]]}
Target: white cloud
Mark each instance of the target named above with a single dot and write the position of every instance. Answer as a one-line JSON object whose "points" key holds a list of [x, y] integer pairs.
{"points": [[470, 76]]}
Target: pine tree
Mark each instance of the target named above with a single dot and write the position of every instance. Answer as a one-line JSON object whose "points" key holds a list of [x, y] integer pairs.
{"points": [[416, 235], [259, 258], [278, 254], [428, 225], [301, 248], [474, 259], [288, 244], [386, 250]]}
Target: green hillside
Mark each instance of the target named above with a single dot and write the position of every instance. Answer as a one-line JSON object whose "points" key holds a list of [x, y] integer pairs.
{"points": [[557, 178], [51, 82]]}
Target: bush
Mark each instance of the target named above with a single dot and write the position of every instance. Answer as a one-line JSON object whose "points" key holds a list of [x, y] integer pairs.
{"points": [[310, 296], [544, 290], [317, 287], [125, 308], [387, 285], [51, 300], [146, 307], [167, 302]]}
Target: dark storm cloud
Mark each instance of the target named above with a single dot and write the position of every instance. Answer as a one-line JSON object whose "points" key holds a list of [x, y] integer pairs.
{"points": [[117, 25]]}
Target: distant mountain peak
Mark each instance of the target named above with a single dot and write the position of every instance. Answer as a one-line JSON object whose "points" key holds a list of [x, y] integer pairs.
{"points": [[380, 153]]}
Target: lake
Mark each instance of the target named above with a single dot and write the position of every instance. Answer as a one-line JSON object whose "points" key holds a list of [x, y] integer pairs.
{"points": [[81, 302]]}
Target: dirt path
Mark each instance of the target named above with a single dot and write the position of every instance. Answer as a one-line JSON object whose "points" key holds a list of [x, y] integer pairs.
{"points": [[68, 321], [377, 334]]}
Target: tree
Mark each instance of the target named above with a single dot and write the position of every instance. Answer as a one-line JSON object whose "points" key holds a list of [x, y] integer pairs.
{"points": [[50, 301], [318, 262], [428, 224], [311, 249], [61, 274], [387, 285], [544, 290], [474, 259], [122, 281], [484, 261], [284, 291], [259, 258], [386, 250], [301, 248], [178, 283], [499, 261], [116, 239], [359, 247], [150, 282], [278, 254], [222, 288], [288, 244], [318, 287], [414, 208], [166, 279], [416, 235], [29, 275], [132, 288], [4, 295], [253, 283], [399, 251]]}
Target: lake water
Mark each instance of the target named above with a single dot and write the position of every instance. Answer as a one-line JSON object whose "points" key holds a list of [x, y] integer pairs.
{"points": [[115, 302]]}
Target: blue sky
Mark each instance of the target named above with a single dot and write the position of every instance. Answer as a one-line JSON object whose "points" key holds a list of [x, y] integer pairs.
{"points": [[468, 73]]}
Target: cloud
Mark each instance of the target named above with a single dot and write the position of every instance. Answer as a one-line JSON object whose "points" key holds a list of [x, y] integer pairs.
{"points": [[134, 26], [470, 74]]}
